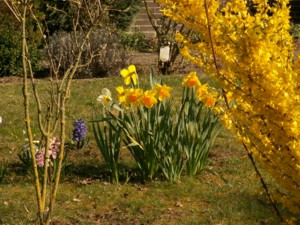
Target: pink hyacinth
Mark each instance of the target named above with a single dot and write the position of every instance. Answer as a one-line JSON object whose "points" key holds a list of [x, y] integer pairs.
{"points": [[53, 151]]}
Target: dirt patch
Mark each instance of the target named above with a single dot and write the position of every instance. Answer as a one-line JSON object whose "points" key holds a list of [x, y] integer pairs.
{"points": [[144, 62], [147, 59]]}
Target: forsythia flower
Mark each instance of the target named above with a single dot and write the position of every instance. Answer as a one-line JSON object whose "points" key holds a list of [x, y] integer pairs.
{"points": [[129, 74], [191, 80], [162, 92], [252, 56], [148, 99], [229, 97], [105, 98]]}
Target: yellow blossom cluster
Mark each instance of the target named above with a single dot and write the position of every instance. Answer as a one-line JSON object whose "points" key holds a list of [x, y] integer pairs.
{"points": [[209, 98], [251, 56], [136, 96]]}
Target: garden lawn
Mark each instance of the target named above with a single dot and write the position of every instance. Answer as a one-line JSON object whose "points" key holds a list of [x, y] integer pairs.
{"points": [[232, 194]]}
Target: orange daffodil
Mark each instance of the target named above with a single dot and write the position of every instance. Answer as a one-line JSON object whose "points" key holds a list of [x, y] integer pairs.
{"points": [[149, 99], [129, 96], [129, 75], [133, 96], [162, 92], [209, 100], [191, 80]]}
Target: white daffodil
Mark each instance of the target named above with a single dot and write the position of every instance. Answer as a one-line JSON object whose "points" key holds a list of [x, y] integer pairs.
{"points": [[105, 98], [0, 119]]}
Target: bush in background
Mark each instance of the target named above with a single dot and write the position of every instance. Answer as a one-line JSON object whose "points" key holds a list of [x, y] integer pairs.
{"points": [[295, 30], [59, 14], [121, 13], [108, 54], [10, 46], [136, 41]]}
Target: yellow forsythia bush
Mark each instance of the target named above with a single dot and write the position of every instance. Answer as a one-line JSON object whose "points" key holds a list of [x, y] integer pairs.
{"points": [[251, 55]]}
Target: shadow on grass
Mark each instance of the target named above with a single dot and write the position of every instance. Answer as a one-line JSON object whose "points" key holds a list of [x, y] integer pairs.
{"points": [[85, 170], [74, 171]]}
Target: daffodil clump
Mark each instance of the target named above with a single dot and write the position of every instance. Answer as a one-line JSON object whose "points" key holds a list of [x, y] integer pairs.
{"points": [[209, 98], [251, 56], [135, 96], [159, 136]]}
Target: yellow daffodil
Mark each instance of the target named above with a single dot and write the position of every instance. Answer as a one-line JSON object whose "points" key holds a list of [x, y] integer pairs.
{"points": [[129, 75], [148, 99], [201, 91], [191, 80], [162, 92], [105, 98], [121, 94]]}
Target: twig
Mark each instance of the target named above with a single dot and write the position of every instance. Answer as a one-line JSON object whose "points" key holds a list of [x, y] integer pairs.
{"points": [[264, 184]]}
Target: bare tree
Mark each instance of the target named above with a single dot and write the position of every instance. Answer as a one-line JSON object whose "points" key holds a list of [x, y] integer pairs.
{"points": [[51, 113], [165, 30]]}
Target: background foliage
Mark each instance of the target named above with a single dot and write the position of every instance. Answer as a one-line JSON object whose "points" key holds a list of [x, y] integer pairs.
{"points": [[10, 44], [121, 13], [110, 57], [56, 17]]}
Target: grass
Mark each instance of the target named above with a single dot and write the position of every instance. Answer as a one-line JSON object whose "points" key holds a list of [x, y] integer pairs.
{"points": [[85, 196]]}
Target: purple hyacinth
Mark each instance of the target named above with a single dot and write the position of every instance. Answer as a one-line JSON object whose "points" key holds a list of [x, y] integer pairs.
{"points": [[79, 130]]}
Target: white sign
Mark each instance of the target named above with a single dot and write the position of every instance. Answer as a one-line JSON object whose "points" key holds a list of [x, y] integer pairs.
{"points": [[164, 53]]}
